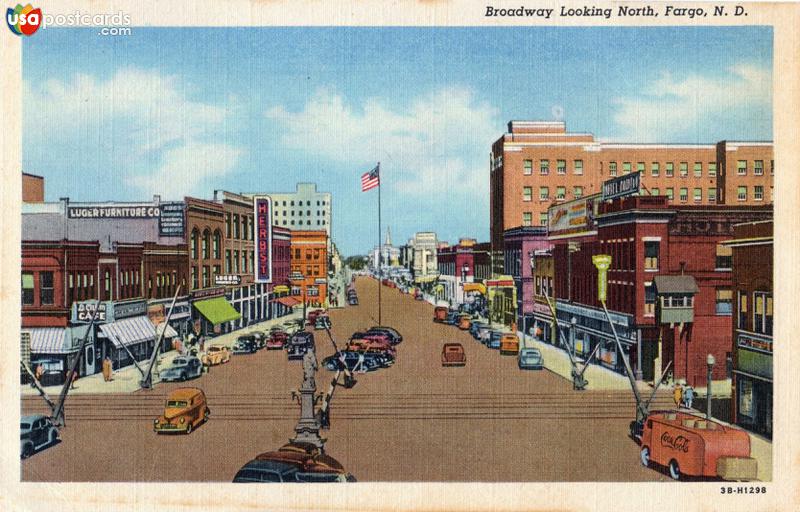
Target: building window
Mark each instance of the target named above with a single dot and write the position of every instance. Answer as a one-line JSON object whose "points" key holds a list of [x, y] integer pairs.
{"points": [[612, 168], [712, 169], [216, 270], [741, 193], [724, 257], [741, 167], [762, 313], [195, 243], [758, 193], [544, 193], [538, 285], [27, 288], [655, 191], [217, 243], [654, 169], [640, 167], [578, 167], [745, 397], [577, 192], [684, 169], [206, 242], [561, 166], [252, 262], [669, 169], [527, 218], [698, 194], [772, 167], [651, 255], [649, 299], [561, 192], [684, 194], [741, 321], [236, 227], [527, 193], [527, 167], [698, 169], [228, 225], [724, 301], [670, 193], [245, 227], [227, 262], [544, 167], [543, 219], [107, 285], [712, 195], [206, 278], [626, 167]]}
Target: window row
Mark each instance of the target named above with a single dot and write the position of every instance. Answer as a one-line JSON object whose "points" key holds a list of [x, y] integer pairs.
{"points": [[298, 213], [527, 219], [239, 227], [544, 193], [669, 169], [300, 203], [208, 245], [544, 167], [234, 258], [203, 280], [742, 167], [300, 223], [761, 313]]}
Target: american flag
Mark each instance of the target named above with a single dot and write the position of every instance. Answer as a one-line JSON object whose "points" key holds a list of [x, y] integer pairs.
{"points": [[371, 179]]}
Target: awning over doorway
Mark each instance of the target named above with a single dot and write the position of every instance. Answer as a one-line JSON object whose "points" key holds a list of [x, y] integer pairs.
{"points": [[48, 340], [475, 287], [217, 310], [287, 301], [131, 331]]}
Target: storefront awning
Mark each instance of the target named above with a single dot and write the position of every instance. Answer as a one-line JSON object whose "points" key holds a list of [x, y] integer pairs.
{"points": [[217, 310], [475, 287], [426, 279], [48, 340], [287, 301], [130, 331], [280, 289]]}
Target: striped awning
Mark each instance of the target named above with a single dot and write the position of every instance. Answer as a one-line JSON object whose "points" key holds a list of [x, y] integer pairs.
{"points": [[475, 287], [131, 331], [48, 340]]}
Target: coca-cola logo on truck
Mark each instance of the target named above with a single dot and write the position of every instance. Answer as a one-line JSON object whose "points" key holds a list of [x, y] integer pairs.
{"points": [[679, 443]]}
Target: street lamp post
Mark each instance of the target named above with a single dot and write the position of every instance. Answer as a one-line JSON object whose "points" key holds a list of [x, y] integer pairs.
{"points": [[464, 270], [710, 364]]}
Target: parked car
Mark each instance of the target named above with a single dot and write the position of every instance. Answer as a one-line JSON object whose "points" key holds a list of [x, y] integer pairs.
{"points": [[357, 361], [216, 354], [260, 339], [509, 344], [182, 368], [452, 317], [53, 374], [440, 314], [493, 340], [474, 329], [299, 344], [530, 359], [371, 345], [322, 322], [692, 445], [312, 315], [394, 336], [246, 344], [277, 340], [453, 355], [36, 432], [464, 321], [294, 462], [184, 409]]}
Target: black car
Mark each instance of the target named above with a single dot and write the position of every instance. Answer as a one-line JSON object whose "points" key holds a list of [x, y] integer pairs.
{"points": [[352, 300], [245, 345], [52, 372], [299, 344], [36, 432], [295, 462], [394, 336], [369, 361]]}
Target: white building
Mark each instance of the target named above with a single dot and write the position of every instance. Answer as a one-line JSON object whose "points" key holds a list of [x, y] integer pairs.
{"points": [[305, 209], [424, 264]]}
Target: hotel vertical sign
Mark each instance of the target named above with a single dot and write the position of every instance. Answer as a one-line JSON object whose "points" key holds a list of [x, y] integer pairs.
{"points": [[263, 216]]}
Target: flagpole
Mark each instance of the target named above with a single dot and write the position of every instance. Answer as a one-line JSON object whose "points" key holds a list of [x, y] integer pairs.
{"points": [[380, 248]]}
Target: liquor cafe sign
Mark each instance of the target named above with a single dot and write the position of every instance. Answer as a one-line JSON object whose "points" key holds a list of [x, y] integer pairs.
{"points": [[263, 253], [626, 185]]}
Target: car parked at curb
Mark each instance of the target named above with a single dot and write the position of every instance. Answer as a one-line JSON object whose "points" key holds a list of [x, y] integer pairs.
{"points": [[530, 359], [182, 368], [36, 432], [245, 344], [185, 409], [277, 340]]}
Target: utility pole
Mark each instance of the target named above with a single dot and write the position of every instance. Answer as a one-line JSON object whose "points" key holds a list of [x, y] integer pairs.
{"points": [[147, 377], [58, 413]]}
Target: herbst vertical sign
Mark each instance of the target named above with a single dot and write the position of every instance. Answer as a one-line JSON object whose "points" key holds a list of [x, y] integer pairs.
{"points": [[602, 262], [263, 214]]}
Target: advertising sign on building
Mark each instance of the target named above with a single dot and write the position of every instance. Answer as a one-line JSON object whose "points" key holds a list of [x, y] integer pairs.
{"points": [[602, 262], [263, 218], [622, 186], [572, 217], [83, 311], [228, 280], [120, 211], [171, 221]]}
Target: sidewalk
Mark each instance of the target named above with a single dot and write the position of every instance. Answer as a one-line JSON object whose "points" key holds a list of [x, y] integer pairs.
{"points": [[126, 380]]}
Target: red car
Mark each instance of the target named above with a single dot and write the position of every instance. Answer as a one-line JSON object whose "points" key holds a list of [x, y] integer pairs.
{"points": [[371, 345], [277, 340], [312, 316], [453, 355]]}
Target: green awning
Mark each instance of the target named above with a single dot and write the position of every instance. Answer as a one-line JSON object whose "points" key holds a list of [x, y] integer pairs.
{"points": [[217, 310]]}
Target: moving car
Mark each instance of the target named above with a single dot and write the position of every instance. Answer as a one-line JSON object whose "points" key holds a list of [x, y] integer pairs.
{"points": [[294, 462], [394, 336], [277, 340], [688, 444], [453, 355], [184, 409], [182, 368], [371, 345], [322, 322], [260, 339], [509, 344], [452, 317], [246, 344], [215, 355], [530, 359], [35, 432], [357, 361], [299, 344], [440, 314], [474, 329], [493, 338]]}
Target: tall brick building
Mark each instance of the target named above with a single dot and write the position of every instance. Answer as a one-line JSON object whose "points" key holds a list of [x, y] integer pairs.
{"points": [[537, 163]]}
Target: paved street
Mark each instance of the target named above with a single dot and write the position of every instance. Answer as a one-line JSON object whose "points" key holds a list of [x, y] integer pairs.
{"points": [[415, 421]]}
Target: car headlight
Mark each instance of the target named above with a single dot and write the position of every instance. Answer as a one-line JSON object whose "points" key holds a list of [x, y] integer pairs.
{"points": [[155, 421], [183, 420]]}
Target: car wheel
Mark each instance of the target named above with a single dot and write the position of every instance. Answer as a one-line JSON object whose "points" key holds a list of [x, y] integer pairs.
{"points": [[53, 436], [27, 451], [674, 470], [189, 428], [644, 456], [184, 376], [206, 414]]}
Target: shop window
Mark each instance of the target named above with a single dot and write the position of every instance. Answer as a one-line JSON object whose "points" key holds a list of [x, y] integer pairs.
{"points": [[27, 288], [654, 169], [741, 167], [649, 299], [762, 313], [527, 167], [745, 397], [758, 167], [684, 166], [527, 193], [651, 249], [741, 321], [669, 169], [612, 168], [578, 167], [724, 302], [544, 167], [698, 169], [561, 166]]}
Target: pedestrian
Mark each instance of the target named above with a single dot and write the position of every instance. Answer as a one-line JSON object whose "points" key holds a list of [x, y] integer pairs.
{"points": [[677, 394], [74, 378], [688, 396], [202, 343], [39, 371], [107, 367]]}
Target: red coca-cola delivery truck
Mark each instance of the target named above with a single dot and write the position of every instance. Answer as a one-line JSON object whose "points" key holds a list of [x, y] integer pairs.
{"points": [[688, 444]]}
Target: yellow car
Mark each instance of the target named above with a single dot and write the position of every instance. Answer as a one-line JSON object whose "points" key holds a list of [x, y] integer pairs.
{"points": [[509, 344], [185, 409], [216, 355]]}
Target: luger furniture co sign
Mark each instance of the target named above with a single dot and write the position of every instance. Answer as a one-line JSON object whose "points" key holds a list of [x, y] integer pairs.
{"points": [[623, 186], [263, 215]]}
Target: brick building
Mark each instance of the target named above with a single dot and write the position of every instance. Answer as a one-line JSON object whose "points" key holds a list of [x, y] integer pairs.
{"points": [[32, 188], [752, 247], [519, 247], [309, 267], [461, 264], [537, 163]]}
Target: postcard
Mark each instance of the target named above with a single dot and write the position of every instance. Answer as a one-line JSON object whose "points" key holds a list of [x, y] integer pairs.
{"points": [[403, 256]]}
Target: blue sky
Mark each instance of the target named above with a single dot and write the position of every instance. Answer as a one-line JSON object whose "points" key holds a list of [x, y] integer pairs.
{"points": [[185, 111]]}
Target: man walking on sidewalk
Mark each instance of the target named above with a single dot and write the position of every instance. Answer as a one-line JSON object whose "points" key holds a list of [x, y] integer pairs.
{"points": [[688, 396], [677, 394]]}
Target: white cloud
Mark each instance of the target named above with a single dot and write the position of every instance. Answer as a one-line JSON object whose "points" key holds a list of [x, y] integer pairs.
{"points": [[441, 139], [671, 106]]}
